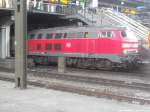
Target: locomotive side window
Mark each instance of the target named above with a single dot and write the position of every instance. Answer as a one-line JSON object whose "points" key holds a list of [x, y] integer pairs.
{"points": [[91, 35], [80, 35], [58, 35], [123, 34], [72, 35], [48, 46], [49, 36], [39, 47], [32, 36], [110, 34], [86, 35], [57, 46], [103, 34], [65, 35], [39, 36]]}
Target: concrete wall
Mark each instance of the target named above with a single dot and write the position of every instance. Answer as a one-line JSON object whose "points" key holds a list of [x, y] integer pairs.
{"points": [[2, 36]]}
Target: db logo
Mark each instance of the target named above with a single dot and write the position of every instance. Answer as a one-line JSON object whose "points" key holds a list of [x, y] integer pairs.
{"points": [[68, 44]]}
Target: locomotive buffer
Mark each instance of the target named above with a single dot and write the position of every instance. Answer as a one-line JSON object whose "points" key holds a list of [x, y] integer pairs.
{"points": [[20, 44]]}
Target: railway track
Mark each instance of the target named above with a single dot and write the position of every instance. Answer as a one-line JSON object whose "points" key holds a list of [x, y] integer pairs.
{"points": [[94, 81], [45, 72]]}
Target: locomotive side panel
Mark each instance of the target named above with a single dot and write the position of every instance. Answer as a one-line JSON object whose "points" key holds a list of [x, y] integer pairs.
{"points": [[77, 47]]}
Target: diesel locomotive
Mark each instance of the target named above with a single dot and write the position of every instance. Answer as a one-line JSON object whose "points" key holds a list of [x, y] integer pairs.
{"points": [[85, 47]]}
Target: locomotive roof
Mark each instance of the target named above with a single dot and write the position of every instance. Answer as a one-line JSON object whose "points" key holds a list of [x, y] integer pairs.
{"points": [[78, 29]]}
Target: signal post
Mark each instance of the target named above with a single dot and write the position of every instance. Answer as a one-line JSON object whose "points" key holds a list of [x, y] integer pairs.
{"points": [[149, 37], [20, 44], [149, 47]]}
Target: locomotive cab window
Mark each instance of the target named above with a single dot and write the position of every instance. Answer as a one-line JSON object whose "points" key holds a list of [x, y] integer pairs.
{"points": [[39, 36], [58, 35], [110, 34], [107, 34], [123, 34], [32, 36], [49, 36]]}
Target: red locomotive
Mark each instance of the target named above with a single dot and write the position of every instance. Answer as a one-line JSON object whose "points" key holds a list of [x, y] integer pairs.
{"points": [[84, 47]]}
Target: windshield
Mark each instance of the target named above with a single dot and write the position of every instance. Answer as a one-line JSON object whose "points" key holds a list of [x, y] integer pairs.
{"points": [[128, 34], [123, 34]]}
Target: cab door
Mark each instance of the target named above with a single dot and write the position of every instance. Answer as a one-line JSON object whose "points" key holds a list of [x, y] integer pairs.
{"points": [[91, 42], [106, 42]]}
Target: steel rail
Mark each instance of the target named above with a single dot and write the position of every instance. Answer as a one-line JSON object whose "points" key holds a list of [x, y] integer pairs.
{"points": [[92, 80], [42, 72]]}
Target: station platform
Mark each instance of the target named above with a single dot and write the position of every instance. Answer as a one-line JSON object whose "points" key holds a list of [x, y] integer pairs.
{"points": [[35, 99]]}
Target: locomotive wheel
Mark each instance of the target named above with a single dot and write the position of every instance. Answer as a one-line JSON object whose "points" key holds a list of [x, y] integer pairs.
{"points": [[103, 64], [74, 62], [81, 64], [69, 62], [130, 67], [45, 60], [30, 63], [98, 64], [107, 65], [88, 63]]}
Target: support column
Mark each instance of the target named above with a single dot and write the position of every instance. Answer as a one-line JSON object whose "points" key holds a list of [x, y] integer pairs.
{"points": [[149, 37], [20, 44], [61, 64], [3, 42], [7, 41]]}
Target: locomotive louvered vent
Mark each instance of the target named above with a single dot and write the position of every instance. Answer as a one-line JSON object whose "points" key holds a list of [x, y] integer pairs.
{"points": [[39, 36], [49, 36], [39, 46], [48, 46], [32, 36], [58, 35], [57, 46], [65, 35]]}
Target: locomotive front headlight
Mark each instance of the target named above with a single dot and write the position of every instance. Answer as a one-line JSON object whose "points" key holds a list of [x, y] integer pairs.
{"points": [[128, 51], [125, 51], [137, 51]]}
